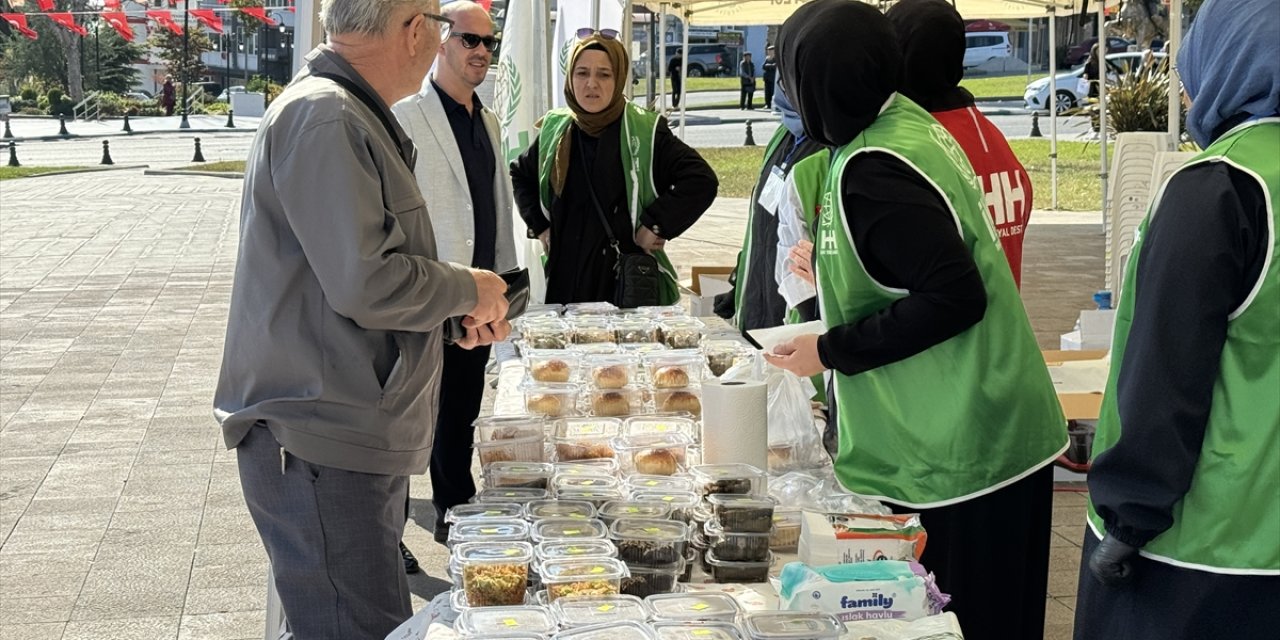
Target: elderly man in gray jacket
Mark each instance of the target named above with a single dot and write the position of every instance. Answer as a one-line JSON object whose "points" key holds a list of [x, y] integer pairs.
{"points": [[468, 191], [332, 358]]}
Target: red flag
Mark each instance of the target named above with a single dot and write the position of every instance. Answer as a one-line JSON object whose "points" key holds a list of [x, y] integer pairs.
{"points": [[165, 19], [45, 5], [19, 22], [68, 21], [208, 18], [113, 5], [120, 23], [259, 13]]}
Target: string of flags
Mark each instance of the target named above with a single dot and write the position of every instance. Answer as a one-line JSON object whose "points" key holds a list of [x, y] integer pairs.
{"points": [[113, 14]]}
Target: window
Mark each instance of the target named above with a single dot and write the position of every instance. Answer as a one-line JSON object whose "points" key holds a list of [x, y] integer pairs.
{"points": [[974, 42]]}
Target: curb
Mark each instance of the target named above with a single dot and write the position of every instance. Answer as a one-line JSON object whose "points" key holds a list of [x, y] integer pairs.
{"points": [[179, 172], [121, 134], [99, 169]]}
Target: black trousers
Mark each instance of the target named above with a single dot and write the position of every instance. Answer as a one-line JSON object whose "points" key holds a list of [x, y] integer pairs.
{"points": [[461, 393], [991, 554], [768, 94], [677, 86], [748, 95]]}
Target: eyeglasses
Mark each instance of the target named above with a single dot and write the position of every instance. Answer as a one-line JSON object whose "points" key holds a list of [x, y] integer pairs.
{"points": [[473, 40], [607, 34], [445, 23]]}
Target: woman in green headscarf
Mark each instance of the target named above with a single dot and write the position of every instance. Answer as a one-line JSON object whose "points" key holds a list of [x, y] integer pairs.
{"points": [[603, 150]]}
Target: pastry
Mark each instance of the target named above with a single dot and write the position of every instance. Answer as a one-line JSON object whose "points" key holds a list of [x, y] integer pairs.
{"points": [[610, 403], [656, 462], [545, 403], [567, 451], [610, 376], [682, 401], [670, 377], [550, 371]]}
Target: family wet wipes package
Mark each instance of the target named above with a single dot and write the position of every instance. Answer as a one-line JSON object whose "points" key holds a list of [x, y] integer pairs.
{"points": [[887, 590]]}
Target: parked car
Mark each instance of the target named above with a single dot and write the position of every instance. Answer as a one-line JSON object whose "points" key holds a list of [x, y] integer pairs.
{"points": [[140, 96], [704, 60], [1077, 54], [1069, 94], [983, 46], [225, 96]]}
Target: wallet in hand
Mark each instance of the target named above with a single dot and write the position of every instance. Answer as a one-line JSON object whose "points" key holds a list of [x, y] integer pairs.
{"points": [[517, 300]]}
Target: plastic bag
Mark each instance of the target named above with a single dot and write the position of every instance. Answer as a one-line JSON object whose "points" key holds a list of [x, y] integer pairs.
{"points": [[943, 626], [791, 230], [818, 490], [794, 440]]}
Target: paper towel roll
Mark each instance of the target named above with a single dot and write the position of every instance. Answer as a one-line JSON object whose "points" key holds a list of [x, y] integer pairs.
{"points": [[735, 423]]}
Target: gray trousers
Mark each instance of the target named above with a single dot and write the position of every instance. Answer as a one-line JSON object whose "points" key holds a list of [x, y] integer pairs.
{"points": [[333, 539]]}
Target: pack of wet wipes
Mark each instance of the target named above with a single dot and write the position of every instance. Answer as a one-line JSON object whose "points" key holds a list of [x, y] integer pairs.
{"points": [[885, 590]]}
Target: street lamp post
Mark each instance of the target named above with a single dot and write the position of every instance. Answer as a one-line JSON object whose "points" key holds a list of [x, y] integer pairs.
{"points": [[186, 61]]}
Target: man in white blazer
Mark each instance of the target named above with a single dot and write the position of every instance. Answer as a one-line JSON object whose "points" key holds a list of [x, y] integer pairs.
{"points": [[467, 187]]}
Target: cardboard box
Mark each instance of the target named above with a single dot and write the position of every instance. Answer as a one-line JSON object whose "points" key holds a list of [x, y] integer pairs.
{"points": [[1077, 406], [1093, 330], [703, 286]]}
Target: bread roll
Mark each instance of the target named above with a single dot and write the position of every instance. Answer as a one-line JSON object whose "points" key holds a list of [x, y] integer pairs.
{"points": [[610, 377], [550, 371], [610, 403], [656, 462], [682, 401], [670, 377], [546, 404]]}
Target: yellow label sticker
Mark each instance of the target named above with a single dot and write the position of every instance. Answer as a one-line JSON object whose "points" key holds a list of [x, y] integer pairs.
{"points": [[632, 510], [701, 632], [651, 483], [575, 550], [577, 515], [652, 530], [491, 512], [668, 498], [510, 622], [573, 532], [511, 552], [597, 570], [701, 606], [488, 531], [587, 483], [605, 608]]}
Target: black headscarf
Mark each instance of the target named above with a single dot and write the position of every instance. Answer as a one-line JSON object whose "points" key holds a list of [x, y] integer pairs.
{"points": [[840, 62], [931, 33]]}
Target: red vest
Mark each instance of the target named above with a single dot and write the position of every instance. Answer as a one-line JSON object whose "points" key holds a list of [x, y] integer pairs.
{"points": [[1004, 181]]}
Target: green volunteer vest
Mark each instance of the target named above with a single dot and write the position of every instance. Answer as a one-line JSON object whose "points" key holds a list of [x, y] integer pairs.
{"points": [[966, 417], [638, 130], [744, 256], [1229, 520]]}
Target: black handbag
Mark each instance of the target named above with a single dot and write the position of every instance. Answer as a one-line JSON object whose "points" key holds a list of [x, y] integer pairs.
{"points": [[517, 296], [636, 275]]}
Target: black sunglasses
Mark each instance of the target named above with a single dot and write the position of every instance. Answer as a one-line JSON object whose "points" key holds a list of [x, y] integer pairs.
{"points": [[607, 34], [473, 40]]}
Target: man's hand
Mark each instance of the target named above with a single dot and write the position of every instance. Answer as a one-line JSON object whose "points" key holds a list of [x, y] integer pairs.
{"points": [[491, 300], [1111, 562], [800, 260], [545, 237], [648, 240], [798, 355], [484, 334]]}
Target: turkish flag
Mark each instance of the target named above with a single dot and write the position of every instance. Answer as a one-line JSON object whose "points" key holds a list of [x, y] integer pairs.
{"points": [[45, 5], [208, 18], [120, 23], [259, 13], [68, 21], [19, 22], [111, 4], [165, 19]]}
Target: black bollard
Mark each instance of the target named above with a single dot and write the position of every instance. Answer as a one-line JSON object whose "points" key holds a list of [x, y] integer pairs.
{"points": [[106, 153], [7, 133], [127, 128], [13, 154], [199, 157], [62, 126], [1035, 125], [751, 137], [231, 122]]}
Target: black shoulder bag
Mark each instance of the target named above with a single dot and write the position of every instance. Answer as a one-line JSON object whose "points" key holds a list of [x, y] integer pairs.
{"points": [[636, 275]]}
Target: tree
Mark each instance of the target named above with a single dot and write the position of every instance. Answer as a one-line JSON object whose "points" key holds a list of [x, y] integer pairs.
{"points": [[115, 57], [169, 47], [41, 62]]}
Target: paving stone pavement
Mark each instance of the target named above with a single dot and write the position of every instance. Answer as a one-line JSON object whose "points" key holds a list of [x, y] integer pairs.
{"points": [[121, 514]]}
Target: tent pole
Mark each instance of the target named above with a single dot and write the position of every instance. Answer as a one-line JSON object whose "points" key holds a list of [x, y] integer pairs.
{"points": [[684, 66], [1102, 103], [1030, 41], [1052, 103], [595, 14], [1175, 84], [659, 58], [628, 40]]}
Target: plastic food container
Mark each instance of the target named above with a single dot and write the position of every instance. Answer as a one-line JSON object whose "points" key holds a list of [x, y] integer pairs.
{"points": [[582, 577], [681, 333], [684, 503], [576, 509], [664, 311], [647, 542], [647, 581], [551, 399], [689, 361], [641, 483], [488, 531], [591, 330], [526, 475], [542, 310], [510, 439], [568, 530], [458, 600], [484, 511], [726, 571], [635, 330], [696, 631], [680, 400], [591, 467], [597, 497], [660, 424], [581, 309], [792, 625], [612, 403], [737, 513], [571, 549], [690, 607], [658, 454], [723, 354], [504, 621], [652, 509], [545, 333], [786, 528], [581, 611], [690, 559], [494, 574], [629, 630], [584, 483], [783, 457], [516, 495], [641, 348], [729, 478], [737, 547], [585, 438], [610, 371], [552, 366]]}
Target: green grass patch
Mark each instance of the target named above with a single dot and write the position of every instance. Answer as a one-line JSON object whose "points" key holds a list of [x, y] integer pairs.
{"points": [[1003, 86], [737, 167], [230, 166], [11, 173], [1079, 187]]}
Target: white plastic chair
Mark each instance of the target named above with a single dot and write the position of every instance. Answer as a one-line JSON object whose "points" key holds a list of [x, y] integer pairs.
{"points": [[1129, 198]]}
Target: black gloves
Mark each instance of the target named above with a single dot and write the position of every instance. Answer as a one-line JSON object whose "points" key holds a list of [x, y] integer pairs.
{"points": [[1111, 562]]}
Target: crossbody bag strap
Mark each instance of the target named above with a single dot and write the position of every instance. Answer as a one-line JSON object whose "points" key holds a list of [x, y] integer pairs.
{"points": [[373, 105]]}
